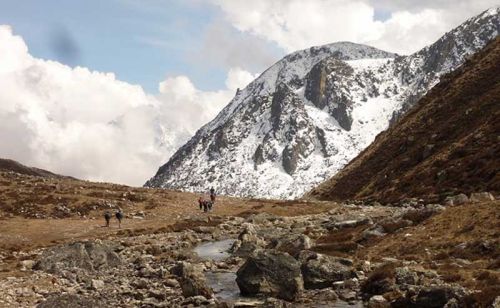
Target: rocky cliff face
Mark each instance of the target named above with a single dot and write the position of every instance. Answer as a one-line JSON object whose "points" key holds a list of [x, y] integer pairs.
{"points": [[313, 111], [446, 145]]}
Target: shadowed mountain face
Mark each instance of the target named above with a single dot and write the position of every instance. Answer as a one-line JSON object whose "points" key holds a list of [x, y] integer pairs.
{"points": [[309, 114], [448, 143]]}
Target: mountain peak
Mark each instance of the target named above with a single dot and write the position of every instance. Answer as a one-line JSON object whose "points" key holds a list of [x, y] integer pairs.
{"points": [[310, 113]]}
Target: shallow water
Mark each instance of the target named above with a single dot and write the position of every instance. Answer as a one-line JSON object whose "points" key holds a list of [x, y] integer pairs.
{"points": [[216, 251], [224, 283]]}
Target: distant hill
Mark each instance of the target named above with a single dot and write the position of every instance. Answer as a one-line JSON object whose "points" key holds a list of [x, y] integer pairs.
{"points": [[14, 166], [448, 143]]}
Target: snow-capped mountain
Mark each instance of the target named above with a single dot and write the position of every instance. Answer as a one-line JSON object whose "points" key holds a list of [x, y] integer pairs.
{"points": [[309, 114]]}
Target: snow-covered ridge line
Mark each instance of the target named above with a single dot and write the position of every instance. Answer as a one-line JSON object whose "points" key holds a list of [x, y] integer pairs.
{"points": [[306, 116]]}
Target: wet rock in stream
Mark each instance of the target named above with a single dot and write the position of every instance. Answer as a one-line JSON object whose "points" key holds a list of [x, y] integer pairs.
{"points": [[272, 273]]}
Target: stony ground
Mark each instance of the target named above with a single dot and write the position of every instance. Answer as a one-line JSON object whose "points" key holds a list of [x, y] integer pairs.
{"points": [[54, 251]]}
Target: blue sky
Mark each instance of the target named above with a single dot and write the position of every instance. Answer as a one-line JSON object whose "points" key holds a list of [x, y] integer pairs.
{"points": [[145, 42], [141, 42]]}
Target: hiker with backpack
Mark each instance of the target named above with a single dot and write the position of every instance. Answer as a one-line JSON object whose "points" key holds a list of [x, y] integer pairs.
{"points": [[200, 202], [212, 195], [107, 217], [119, 217]]}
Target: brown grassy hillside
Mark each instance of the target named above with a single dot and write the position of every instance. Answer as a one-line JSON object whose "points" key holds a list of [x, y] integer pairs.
{"points": [[14, 166], [449, 143]]}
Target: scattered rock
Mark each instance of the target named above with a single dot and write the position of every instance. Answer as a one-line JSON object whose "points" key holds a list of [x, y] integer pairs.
{"points": [[192, 280], [27, 265], [373, 233], [481, 197], [97, 284], [84, 255], [321, 271], [456, 200], [380, 281], [406, 276], [390, 225], [171, 283], [350, 223], [292, 244], [70, 300], [431, 297], [378, 301]]}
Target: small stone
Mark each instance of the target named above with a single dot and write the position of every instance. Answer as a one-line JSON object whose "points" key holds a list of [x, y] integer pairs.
{"points": [[27, 265], [481, 197], [405, 276], [97, 284], [171, 283], [347, 295], [378, 301], [456, 200]]}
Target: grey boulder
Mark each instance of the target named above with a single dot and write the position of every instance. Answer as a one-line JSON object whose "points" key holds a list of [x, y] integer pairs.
{"points": [[271, 273]]}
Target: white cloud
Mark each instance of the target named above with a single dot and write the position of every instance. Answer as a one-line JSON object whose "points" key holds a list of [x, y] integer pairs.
{"points": [[223, 46], [88, 124], [189, 107], [297, 24], [238, 78]]}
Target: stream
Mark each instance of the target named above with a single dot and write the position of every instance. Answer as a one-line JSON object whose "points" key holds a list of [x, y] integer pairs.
{"points": [[217, 251], [224, 283]]}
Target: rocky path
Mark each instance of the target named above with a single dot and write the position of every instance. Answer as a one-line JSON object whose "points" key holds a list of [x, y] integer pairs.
{"points": [[276, 261]]}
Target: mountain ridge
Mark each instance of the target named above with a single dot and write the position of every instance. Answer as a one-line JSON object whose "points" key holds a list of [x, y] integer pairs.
{"points": [[447, 144], [10, 165], [310, 113]]}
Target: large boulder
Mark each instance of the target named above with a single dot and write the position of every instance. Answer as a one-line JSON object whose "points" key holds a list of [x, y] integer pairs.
{"points": [[272, 273], [192, 280], [321, 271], [84, 255]]}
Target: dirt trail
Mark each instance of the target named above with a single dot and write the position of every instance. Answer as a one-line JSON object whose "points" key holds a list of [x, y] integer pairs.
{"points": [[69, 209]]}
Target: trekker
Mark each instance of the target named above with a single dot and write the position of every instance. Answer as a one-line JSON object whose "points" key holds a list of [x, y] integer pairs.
{"points": [[212, 195], [107, 217], [200, 203], [205, 206], [119, 217], [209, 205]]}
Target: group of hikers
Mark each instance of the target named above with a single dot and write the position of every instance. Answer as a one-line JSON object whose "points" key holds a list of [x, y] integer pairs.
{"points": [[206, 205], [118, 215]]}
